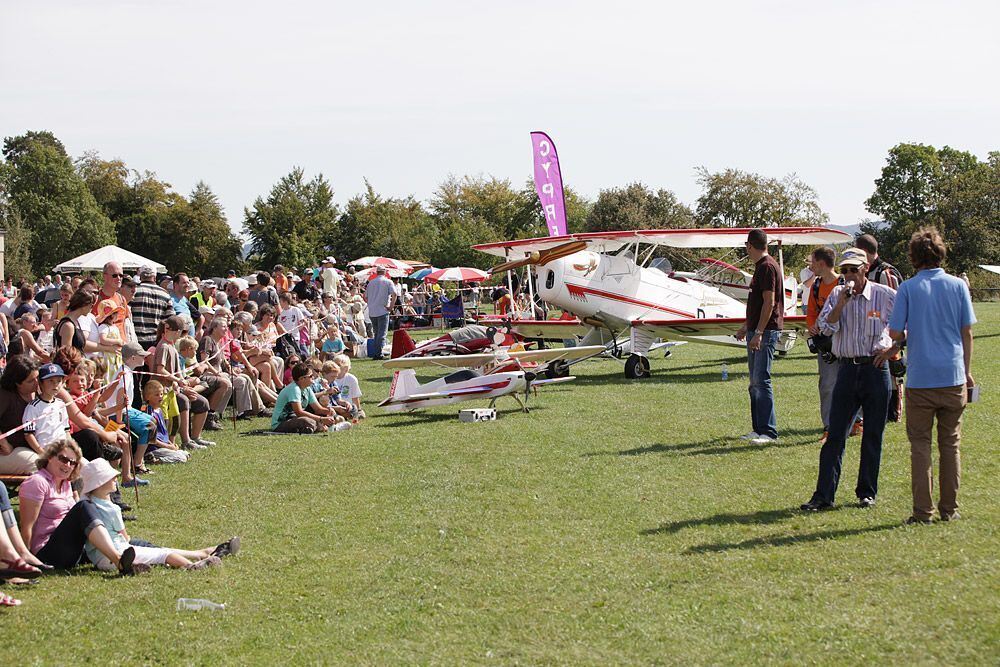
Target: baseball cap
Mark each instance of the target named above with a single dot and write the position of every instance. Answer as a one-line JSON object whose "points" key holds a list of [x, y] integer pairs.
{"points": [[853, 257], [147, 272], [96, 473], [133, 349], [50, 371], [379, 269], [208, 284]]}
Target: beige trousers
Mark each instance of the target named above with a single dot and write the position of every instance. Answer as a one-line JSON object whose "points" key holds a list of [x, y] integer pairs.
{"points": [[946, 404]]}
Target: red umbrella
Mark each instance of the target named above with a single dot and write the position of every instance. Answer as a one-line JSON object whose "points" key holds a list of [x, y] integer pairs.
{"points": [[456, 273], [387, 262], [369, 273]]}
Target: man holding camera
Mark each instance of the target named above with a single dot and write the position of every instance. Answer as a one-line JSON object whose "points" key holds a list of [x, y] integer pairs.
{"points": [[857, 316], [822, 263]]}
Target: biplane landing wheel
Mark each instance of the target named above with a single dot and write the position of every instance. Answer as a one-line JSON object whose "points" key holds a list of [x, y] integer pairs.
{"points": [[557, 369], [637, 367]]}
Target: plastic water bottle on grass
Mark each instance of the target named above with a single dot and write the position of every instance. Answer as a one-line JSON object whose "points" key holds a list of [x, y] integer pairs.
{"points": [[194, 604], [725, 371]]}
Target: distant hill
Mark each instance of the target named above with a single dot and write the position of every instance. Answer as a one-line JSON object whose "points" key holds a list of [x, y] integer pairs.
{"points": [[853, 230]]}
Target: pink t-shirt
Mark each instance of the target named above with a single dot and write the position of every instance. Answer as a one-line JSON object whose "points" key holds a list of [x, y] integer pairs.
{"points": [[55, 505]]}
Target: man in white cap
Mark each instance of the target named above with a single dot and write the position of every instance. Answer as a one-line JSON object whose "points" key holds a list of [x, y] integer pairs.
{"points": [[331, 281], [205, 297], [857, 316]]}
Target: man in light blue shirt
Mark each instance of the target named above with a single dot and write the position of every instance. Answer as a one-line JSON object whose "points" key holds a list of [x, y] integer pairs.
{"points": [[381, 296], [933, 314]]}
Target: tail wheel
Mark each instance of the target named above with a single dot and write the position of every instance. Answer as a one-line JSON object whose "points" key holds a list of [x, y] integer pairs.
{"points": [[637, 367], [557, 369]]}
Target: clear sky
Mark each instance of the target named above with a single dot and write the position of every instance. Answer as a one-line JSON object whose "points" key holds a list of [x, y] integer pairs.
{"points": [[405, 93]]}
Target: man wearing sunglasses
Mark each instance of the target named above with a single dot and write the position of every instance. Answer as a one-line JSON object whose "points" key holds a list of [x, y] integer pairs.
{"points": [[113, 275], [857, 316]]}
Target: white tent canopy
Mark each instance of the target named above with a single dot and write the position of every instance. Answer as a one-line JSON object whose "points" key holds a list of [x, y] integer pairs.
{"points": [[991, 267], [96, 259]]}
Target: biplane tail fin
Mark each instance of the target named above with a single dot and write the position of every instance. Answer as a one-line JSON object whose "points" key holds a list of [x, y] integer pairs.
{"points": [[402, 344], [404, 383]]}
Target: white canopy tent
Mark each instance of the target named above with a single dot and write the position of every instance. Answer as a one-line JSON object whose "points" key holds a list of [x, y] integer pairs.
{"points": [[991, 267], [96, 259]]}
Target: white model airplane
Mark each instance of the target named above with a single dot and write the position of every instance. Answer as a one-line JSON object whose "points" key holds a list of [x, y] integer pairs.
{"points": [[487, 375], [602, 278]]}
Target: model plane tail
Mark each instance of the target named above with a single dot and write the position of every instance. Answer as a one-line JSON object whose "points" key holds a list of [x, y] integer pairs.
{"points": [[402, 344]]}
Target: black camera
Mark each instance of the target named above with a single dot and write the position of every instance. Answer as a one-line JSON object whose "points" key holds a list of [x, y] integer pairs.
{"points": [[823, 346]]}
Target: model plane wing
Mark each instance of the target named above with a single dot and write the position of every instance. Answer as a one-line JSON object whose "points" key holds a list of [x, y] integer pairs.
{"points": [[558, 353], [443, 361], [550, 329]]}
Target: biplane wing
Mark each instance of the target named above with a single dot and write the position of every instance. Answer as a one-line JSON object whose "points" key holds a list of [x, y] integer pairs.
{"points": [[696, 329], [732, 237]]}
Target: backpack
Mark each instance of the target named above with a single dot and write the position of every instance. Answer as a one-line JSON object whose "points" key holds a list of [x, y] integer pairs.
{"points": [[876, 272]]}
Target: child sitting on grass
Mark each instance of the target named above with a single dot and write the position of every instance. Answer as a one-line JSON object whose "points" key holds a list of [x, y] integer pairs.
{"points": [[347, 383], [160, 446], [333, 344], [290, 362], [98, 483], [326, 390]]}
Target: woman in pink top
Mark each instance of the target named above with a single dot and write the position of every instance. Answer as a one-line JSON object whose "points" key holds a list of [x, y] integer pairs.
{"points": [[53, 524]]}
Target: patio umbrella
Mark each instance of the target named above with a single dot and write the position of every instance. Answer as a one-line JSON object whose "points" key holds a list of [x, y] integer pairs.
{"points": [[421, 273], [387, 262], [369, 273], [456, 273]]}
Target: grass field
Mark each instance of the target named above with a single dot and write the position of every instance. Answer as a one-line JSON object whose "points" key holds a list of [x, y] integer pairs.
{"points": [[619, 522]]}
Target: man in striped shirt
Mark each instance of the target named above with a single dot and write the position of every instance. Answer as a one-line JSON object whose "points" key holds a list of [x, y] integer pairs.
{"points": [[857, 316], [150, 305]]}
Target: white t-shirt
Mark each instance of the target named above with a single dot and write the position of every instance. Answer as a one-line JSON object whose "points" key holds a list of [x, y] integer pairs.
{"points": [[349, 388], [290, 319], [89, 328], [330, 280], [51, 420]]}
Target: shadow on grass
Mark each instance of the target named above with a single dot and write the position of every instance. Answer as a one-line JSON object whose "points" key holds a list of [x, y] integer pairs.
{"points": [[664, 376], [717, 445], [787, 540], [728, 519], [416, 418]]}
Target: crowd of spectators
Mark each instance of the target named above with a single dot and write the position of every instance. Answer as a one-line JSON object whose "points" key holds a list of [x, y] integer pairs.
{"points": [[105, 376]]}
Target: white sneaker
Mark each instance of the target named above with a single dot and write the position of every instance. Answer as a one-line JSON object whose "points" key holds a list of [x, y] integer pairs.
{"points": [[191, 444], [202, 441], [763, 440], [752, 435]]}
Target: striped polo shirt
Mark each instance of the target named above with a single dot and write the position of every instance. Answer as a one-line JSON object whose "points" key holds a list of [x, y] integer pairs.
{"points": [[863, 329]]}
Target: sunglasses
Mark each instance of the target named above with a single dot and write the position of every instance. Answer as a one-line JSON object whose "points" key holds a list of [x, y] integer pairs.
{"points": [[117, 275], [67, 460], [850, 269]]}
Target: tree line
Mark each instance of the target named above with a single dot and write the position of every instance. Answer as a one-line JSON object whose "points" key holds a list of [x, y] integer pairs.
{"points": [[55, 207]]}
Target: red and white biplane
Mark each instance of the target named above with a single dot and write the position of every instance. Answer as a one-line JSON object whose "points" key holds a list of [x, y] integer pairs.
{"points": [[609, 282]]}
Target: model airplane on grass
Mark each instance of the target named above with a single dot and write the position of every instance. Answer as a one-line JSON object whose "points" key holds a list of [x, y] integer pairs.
{"points": [[464, 340], [606, 280], [489, 375]]}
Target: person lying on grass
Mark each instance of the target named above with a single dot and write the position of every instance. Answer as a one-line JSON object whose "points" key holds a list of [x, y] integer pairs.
{"points": [[98, 483], [290, 414], [160, 445]]}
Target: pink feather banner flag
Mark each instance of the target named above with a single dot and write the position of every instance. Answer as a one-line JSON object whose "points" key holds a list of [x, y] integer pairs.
{"points": [[548, 183]]}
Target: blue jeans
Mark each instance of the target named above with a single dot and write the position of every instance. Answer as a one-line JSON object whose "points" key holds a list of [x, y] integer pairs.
{"points": [[381, 326], [857, 386], [761, 395]]}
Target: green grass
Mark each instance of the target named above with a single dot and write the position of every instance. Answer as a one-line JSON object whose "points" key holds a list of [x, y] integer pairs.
{"points": [[619, 522]]}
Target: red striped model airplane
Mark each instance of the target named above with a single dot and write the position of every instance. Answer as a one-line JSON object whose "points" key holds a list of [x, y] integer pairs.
{"points": [[607, 280]]}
